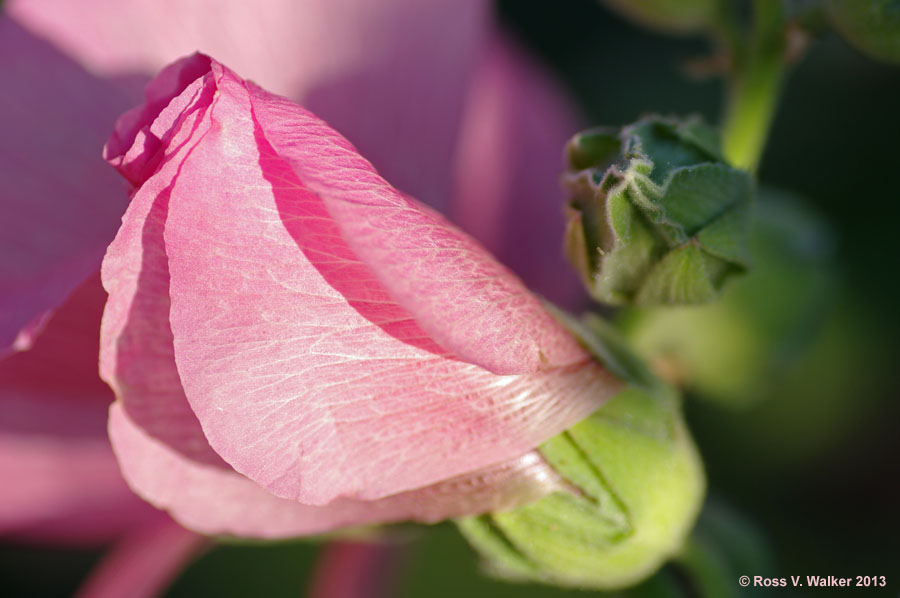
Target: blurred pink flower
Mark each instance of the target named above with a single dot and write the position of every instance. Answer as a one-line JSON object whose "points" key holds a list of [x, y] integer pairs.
{"points": [[446, 109], [62, 484]]}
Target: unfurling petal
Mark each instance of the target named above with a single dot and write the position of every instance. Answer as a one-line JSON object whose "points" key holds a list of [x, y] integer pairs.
{"points": [[333, 337]]}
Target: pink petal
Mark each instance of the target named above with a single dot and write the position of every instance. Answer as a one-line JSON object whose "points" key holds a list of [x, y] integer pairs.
{"points": [[305, 373], [214, 500], [360, 362], [59, 203], [61, 368], [61, 481], [463, 299], [63, 490], [390, 75], [348, 569], [509, 161], [136, 357], [144, 562]]}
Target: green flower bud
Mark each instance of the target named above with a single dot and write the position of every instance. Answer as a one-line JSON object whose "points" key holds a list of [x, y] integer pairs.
{"points": [[631, 486], [873, 26], [656, 216], [738, 349], [669, 16]]}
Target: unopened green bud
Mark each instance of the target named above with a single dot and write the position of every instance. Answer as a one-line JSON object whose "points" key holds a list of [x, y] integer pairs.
{"points": [[738, 349], [656, 215], [873, 26], [632, 485], [669, 16]]}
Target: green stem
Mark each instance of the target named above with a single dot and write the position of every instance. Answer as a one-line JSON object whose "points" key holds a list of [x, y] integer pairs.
{"points": [[754, 87]]}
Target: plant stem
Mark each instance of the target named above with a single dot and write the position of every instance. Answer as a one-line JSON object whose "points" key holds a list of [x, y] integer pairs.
{"points": [[754, 87]]}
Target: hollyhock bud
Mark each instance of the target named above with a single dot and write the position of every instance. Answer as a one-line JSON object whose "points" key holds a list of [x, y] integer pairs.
{"points": [[290, 334], [656, 215], [295, 346]]}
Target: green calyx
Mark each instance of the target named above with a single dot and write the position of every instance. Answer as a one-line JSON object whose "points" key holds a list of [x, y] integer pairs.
{"points": [[656, 215], [634, 485]]}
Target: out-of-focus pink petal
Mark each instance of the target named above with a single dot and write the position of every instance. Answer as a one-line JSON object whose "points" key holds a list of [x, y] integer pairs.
{"points": [[216, 500], [348, 569], [60, 206], [63, 490], [390, 75], [60, 479], [509, 161], [60, 369], [306, 374], [144, 562]]}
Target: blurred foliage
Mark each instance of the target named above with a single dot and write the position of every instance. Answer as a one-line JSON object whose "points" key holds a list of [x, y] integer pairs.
{"points": [[744, 347], [668, 16], [873, 26]]}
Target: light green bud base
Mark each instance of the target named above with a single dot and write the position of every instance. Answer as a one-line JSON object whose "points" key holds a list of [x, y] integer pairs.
{"points": [[635, 486]]}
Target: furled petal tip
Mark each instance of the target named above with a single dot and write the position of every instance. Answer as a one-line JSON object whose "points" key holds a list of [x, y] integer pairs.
{"points": [[333, 338]]}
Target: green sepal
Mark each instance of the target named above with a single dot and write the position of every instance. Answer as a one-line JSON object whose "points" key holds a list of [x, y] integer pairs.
{"points": [[656, 216], [633, 485]]}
